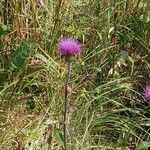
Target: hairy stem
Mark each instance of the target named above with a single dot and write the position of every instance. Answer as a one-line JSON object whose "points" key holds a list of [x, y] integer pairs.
{"points": [[66, 102]]}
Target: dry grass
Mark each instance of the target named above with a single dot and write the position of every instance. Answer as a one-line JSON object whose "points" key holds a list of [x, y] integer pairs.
{"points": [[106, 107]]}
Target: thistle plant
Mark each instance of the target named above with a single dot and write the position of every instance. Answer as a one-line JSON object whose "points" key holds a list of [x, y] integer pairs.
{"points": [[68, 48], [147, 93]]}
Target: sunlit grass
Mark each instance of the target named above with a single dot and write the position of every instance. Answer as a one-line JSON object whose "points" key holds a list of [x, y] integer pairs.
{"points": [[106, 104]]}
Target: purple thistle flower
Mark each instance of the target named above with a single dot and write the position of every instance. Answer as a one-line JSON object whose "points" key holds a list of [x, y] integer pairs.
{"points": [[69, 47], [147, 93]]}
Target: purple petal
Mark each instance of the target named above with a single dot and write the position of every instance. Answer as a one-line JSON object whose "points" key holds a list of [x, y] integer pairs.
{"points": [[147, 93], [69, 47]]}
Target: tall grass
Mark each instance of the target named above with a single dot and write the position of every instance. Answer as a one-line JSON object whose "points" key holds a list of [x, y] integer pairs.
{"points": [[106, 106]]}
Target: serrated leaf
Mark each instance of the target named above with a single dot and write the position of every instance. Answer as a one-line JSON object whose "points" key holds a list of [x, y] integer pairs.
{"points": [[20, 56]]}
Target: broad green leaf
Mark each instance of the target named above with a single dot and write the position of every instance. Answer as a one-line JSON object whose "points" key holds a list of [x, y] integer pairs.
{"points": [[20, 56]]}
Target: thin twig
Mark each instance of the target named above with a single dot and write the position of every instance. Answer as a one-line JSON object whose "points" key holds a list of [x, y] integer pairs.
{"points": [[66, 102]]}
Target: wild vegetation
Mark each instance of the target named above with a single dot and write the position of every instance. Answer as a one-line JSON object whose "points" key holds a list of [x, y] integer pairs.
{"points": [[107, 109]]}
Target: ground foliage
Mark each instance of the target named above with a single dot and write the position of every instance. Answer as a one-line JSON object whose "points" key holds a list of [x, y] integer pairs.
{"points": [[107, 109]]}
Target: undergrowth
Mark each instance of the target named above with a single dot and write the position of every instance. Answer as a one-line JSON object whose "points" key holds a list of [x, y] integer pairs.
{"points": [[107, 109]]}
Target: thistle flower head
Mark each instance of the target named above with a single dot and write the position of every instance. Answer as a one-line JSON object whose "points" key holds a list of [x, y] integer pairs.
{"points": [[147, 93], [69, 47]]}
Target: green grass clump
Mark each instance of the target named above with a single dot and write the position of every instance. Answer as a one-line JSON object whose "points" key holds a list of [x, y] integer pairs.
{"points": [[107, 110]]}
